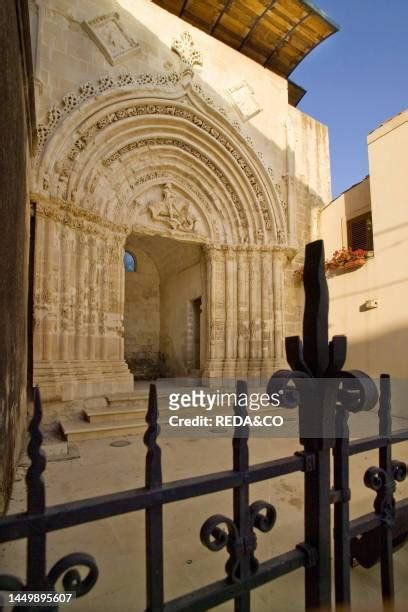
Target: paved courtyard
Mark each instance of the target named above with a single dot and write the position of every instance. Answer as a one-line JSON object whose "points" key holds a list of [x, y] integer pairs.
{"points": [[118, 543]]}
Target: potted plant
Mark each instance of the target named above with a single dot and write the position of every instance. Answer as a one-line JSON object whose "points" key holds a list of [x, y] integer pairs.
{"points": [[342, 260]]}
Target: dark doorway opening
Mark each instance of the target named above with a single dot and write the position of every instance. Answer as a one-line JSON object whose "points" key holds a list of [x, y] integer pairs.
{"points": [[196, 332]]}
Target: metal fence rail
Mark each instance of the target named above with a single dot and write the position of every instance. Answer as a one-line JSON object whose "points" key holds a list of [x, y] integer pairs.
{"points": [[366, 540]]}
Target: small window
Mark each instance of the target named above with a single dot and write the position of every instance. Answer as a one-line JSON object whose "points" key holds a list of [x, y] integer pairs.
{"points": [[129, 261], [360, 232]]}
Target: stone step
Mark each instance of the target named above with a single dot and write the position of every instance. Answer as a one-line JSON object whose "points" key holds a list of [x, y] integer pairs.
{"points": [[135, 399], [116, 413], [74, 431]]}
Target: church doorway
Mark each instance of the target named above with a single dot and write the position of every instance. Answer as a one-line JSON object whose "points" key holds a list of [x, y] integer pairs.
{"points": [[195, 335], [163, 318]]}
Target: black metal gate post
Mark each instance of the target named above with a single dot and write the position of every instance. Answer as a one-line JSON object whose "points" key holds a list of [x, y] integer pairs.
{"points": [[241, 498], [153, 515], [36, 542], [341, 499], [385, 463], [312, 362]]}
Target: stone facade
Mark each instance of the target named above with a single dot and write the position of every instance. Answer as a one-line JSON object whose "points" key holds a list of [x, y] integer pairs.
{"points": [[150, 129]]}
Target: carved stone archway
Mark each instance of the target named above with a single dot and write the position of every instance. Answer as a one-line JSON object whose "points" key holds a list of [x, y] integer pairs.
{"points": [[98, 158]]}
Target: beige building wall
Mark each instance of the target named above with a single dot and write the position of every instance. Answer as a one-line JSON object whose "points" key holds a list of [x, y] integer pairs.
{"points": [[377, 337]]}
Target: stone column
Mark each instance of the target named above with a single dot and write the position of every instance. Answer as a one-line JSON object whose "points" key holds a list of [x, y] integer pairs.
{"points": [[39, 288], [215, 308], [278, 260], [243, 313], [92, 299], [121, 299], [268, 341], [81, 264], [115, 300], [103, 300], [255, 337], [231, 318], [67, 290], [50, 291]]}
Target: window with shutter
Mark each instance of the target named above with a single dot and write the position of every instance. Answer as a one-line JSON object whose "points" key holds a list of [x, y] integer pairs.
{"points": [[360, 232]]}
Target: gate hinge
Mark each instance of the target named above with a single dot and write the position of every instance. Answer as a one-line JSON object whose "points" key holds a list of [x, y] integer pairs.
{"points": [[309, 461]]}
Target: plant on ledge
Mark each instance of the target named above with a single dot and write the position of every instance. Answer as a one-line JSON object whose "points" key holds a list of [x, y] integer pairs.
{"points": [[345, 259]]}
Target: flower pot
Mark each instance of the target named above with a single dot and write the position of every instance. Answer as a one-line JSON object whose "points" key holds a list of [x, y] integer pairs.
{"points": [[353, 264]]}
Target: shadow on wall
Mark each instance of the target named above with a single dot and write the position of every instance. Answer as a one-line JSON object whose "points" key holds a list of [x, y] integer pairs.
{"points": [[385, 353], [380, 353]]}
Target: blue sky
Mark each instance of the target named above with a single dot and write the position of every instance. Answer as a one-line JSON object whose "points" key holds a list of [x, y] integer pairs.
{"points": [[356, 79]]}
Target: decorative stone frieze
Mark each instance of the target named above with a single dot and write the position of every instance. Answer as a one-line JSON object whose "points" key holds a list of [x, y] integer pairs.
{"points": [[167, 81]]}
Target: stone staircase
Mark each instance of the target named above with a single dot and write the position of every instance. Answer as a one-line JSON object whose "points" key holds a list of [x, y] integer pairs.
{"points": [[109, 416], [121, 414]]}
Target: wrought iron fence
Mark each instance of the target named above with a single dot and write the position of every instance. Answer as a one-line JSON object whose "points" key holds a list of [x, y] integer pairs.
{"points": [[366, 540]]}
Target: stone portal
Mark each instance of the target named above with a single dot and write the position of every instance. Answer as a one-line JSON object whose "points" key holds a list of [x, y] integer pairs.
{"points": [[178, 187]]}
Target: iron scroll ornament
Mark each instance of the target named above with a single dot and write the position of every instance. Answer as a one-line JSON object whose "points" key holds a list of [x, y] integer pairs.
{"points": [[317, 383], [365, 550], [215, 537], [383, 484], [66, 568], [237, 535]]}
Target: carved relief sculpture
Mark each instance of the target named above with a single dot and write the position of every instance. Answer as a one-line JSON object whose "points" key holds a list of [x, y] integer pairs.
{"points": [[166, 211], [110, 37], [243, 100]]}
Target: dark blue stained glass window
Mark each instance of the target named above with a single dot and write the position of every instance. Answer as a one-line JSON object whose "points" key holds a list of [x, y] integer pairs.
{"points": [[129, 262]]}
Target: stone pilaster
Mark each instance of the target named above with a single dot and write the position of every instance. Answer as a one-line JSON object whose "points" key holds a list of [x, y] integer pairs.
{"points": [[278, 261], [243, 313], [81, 264], [231, 314], [92, 298], [215, 313], [50, 291], [268, 344], [255, 313], [39, 275]]}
